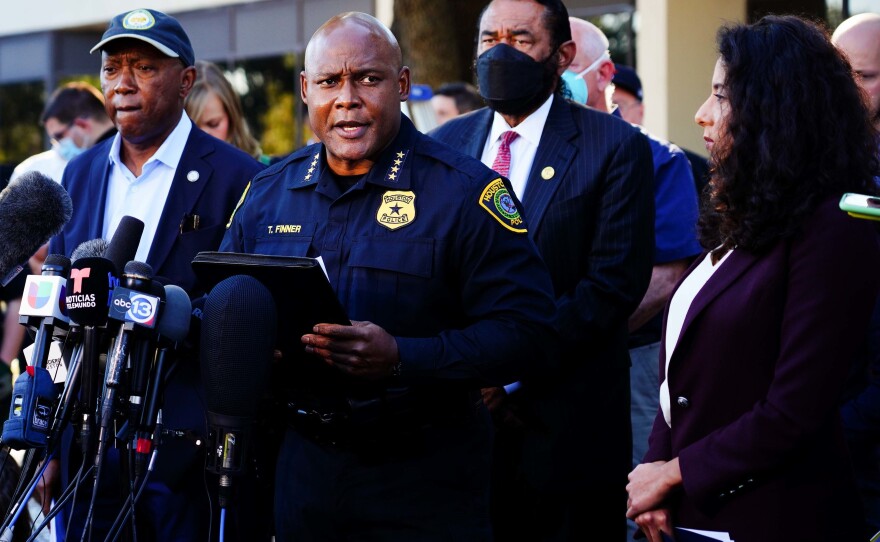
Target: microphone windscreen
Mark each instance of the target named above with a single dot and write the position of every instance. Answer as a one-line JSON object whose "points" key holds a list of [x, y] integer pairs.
{"points": [[94, 248], [33, 208], [138, 269], [59, 263], [88, 290], [237, 344], [124, 244], [174, 323]]}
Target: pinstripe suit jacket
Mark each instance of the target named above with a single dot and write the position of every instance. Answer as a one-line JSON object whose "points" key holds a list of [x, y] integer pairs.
{"points": [[589, 206]]}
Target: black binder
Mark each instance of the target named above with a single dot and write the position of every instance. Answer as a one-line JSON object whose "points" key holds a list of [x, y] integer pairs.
{"points": [[303, 295]]}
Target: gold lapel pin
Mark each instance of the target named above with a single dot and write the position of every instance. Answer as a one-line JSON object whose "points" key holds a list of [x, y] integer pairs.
{"points": [[547, 173]]}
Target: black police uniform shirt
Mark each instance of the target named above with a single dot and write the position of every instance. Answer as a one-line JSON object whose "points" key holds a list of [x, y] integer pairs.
{"points": [[429, 245]]}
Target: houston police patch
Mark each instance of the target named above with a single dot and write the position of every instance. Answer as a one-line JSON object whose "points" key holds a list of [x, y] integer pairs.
{"points": [[397, 209], [498, 201]]}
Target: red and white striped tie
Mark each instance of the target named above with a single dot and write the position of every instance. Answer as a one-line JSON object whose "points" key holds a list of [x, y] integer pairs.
{"points": [[502, 159]]}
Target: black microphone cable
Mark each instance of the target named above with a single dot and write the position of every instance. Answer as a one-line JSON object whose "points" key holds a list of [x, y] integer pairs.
{"points": [[128, 509], [65, 496], [9, 524], [137, 310]]}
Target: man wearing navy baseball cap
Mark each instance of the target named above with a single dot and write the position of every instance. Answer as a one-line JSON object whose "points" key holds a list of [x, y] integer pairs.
{"points": [[183, 184], [154, 27], [628, 94]]}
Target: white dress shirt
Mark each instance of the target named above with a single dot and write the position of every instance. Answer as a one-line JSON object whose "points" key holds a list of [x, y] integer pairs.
{"points": [[678, 308], [143, 197], [523, 148]]}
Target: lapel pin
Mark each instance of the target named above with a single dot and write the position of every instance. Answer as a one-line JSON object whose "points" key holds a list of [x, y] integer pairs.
{"points": [[547, 173], [192, 176]]}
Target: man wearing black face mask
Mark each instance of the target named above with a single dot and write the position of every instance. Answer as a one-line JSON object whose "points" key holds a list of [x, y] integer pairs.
{"points": [[585, 180]]}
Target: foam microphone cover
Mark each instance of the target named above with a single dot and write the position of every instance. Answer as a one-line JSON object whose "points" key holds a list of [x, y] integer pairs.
{"points": [[57, 265], [88, 290], [137, 270], [33, 208], [124, 244], [237, 344], [94, 248], [174, 323]]}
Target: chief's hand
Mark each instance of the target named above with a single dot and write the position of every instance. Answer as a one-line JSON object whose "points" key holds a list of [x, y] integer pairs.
{"points": [[504, 412], [363, 349]]}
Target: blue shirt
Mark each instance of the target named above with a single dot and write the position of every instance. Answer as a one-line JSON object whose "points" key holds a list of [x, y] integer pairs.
{"points": [[429, 245], [675, 203], [675, 219]]}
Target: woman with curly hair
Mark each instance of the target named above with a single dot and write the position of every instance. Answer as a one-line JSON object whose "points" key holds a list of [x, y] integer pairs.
{"points": [[759, 333]]}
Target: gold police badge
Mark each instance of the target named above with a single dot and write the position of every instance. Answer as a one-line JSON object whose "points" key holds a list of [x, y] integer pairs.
{"points": [[397, 209]]}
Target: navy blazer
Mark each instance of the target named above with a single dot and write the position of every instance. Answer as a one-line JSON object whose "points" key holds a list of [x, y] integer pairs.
{"points": [[223, 172], [589, 206], [755, 380]]}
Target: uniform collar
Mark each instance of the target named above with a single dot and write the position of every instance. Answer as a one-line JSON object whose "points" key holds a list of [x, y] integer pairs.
{"points": [[392, 169]]}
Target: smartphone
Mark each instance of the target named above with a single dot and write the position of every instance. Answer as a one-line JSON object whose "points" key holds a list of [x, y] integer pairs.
{"points": [[861, 206]]}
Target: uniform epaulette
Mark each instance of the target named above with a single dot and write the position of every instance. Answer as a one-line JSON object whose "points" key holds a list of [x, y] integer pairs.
{"points": [[441, 152], [293, 159]]}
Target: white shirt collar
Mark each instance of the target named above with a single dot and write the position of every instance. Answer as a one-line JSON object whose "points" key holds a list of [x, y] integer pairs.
{"points": [[168, 153], [529, 129]]}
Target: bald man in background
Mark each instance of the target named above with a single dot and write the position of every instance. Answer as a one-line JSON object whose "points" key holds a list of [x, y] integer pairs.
{"points": [[859, 39]]}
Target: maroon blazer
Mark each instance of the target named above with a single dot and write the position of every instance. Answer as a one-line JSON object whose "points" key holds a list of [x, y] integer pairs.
{"points": [[754, 385]]}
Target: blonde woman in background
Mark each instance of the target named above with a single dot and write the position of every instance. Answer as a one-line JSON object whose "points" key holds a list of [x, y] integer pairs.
{"points": [[215, 107]]}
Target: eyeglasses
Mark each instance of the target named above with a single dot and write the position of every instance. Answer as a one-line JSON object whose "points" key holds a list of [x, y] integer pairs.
{"points": [[61, 134]]}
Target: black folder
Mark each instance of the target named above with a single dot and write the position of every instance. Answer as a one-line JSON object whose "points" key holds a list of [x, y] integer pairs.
{"points": [[303, 295]]}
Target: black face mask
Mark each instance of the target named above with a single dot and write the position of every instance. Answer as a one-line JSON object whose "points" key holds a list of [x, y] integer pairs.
{"points": [[512, 82]]}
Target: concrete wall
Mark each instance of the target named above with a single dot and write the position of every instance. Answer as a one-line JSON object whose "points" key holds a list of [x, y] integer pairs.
{"points": [[676, 54]]}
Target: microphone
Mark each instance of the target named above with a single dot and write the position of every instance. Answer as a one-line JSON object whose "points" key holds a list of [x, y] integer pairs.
{"points": [[42, 307], [237, 344], [92, 279], [124, 244], [137, 310], [33, 208], [90, 249], [173, 328], [140, 362]]}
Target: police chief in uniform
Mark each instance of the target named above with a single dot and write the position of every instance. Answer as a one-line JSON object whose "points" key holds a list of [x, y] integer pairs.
{"points": [[429, 256]]}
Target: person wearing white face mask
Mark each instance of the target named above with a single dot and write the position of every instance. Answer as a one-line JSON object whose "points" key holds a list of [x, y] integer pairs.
{"points": [[74, 119]]}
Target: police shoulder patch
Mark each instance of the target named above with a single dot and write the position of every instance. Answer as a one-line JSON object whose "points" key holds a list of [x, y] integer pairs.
{"points": [[499, 203]]}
